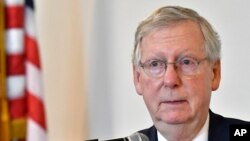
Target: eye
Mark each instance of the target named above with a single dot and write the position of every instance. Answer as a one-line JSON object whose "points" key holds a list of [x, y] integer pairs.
{"points": [[156, 64], [155, 67], [187, 62]]}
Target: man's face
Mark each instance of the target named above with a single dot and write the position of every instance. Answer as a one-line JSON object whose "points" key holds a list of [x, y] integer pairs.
{"points": [[175, 98]]}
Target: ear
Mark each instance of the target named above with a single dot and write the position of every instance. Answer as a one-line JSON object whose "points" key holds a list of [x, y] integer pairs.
{"points": [[137, 80], [216, 75]]}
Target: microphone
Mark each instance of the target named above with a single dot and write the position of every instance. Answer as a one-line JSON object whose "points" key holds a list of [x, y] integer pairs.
{"points": [[137, 137], [134, 137]]}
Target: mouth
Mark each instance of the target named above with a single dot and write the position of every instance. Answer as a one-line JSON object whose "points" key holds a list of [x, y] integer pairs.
{"points": [[174, 102]]}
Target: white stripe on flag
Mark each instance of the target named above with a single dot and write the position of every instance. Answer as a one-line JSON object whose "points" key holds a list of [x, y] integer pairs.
{"points": [[35, 132], [16, 86], [14, 2], [34, 81], [14, 41], [30, 22]]}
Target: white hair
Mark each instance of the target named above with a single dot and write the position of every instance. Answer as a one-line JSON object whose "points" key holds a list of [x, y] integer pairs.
{"points": [[169, 15]]}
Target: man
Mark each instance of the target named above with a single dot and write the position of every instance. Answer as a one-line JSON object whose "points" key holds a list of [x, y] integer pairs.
{"points": [[176, 66]]}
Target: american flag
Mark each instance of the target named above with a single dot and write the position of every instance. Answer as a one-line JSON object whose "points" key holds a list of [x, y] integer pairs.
{"points": [[23, 80]]}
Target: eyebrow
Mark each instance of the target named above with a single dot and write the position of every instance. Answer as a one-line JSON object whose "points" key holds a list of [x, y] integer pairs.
{"points": [[159, 56]]}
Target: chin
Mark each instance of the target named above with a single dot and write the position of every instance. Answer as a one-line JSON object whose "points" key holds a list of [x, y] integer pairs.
{"points": [[174, 121], [173, 118]]}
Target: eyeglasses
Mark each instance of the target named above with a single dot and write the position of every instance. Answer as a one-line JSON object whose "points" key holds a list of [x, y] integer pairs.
{"points": [[187, 66]]}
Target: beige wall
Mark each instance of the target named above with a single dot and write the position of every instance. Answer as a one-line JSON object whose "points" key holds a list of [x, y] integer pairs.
{"points": [[59, 34], [115, 109]]}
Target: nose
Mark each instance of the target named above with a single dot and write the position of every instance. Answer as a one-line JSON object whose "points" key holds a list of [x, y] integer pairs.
{"points": [[171, 77]]}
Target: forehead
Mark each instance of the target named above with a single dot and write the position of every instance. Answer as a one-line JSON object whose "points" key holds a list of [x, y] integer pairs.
{"points": [[185, 36]]}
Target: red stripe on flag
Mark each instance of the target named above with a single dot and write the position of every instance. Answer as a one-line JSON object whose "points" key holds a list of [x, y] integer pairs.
{"points": [[36, 110], [18, 108], [32, 54], [14, 17], [16, 64]]}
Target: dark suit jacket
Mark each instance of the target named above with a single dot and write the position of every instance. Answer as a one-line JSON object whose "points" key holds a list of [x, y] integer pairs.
{"points": [[218, 128]]}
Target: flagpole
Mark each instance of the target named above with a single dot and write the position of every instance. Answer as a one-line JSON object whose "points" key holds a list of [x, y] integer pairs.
{"points": [[4, 116]]}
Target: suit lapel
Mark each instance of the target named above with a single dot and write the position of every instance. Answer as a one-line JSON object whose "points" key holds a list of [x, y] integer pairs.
{"points": [[151, 133], [218, 128]]}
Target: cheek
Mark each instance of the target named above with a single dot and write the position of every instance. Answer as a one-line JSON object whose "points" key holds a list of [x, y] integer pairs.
{"points": [[150, 86], [151, 89], [202, 82], [199, 91], [151, 103]]}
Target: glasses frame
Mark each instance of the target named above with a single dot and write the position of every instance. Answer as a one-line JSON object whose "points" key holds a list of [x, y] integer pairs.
{"points": [[166, 64]]}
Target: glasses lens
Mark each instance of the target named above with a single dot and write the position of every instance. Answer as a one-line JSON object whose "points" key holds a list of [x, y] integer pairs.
{"points": [[187, 66], [155, 68]]}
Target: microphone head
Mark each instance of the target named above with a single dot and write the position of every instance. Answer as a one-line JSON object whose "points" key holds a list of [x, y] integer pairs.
{"points": [[118, 139], [138, 137], [134, 137]]}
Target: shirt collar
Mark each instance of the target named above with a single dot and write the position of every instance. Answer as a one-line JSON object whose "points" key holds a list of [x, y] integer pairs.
{"points": [[201, 136]]}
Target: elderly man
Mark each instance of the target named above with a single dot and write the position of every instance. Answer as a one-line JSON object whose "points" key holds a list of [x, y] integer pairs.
{"points": [[176, 66]]}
